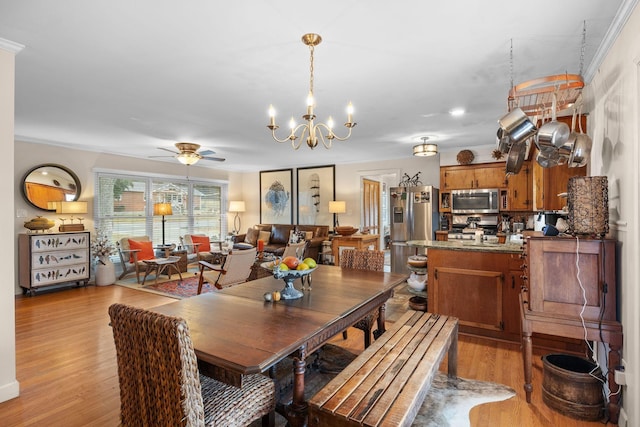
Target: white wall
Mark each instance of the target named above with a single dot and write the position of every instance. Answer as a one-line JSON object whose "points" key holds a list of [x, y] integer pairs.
{"points": [[9, 386], [612, 98]]}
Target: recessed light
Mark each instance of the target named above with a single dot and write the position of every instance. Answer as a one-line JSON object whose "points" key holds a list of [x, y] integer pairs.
{"points": [[456, 112]]}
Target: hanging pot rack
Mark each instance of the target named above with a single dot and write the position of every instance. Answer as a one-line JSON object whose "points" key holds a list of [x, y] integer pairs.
{"points": [[535, 96]]}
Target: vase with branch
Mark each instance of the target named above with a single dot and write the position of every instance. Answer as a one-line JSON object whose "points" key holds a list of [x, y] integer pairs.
{"points": [[101, 248]]}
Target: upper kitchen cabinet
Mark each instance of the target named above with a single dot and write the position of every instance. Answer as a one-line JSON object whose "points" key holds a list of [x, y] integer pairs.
{"points": [[519, 191], [548, 183], [484, 175]]}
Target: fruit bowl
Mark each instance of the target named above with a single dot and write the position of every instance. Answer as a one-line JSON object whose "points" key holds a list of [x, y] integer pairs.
{"points": [[289, 276]]}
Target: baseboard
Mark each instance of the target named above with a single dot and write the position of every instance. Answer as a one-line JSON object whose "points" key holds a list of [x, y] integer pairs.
{"points": [[9, 391]]}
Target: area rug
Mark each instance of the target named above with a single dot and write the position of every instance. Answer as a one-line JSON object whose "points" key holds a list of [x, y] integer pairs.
{"points": [[174, 288], [447, 404]]}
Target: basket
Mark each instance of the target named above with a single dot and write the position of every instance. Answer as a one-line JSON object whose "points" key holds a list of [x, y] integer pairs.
{"points": [[588, 203]]}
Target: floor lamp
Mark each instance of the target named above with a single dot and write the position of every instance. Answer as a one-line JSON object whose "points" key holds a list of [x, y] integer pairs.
{"points": [[162, 209], [236, 206]]}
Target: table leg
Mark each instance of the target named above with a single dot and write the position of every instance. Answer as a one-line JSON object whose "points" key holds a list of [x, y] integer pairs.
{"points": [[147, 270], [381, 321], [297, 411], [526, 357]]}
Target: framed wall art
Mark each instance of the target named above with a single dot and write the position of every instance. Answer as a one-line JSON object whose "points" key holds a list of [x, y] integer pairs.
{"points": [[316, 188], [276, 205]]}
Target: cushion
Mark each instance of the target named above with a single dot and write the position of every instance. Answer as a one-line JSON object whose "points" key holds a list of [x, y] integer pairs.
{"points": [[308, 235], [252, 236], [203, 241], [280, 233], [146, 250], [242, 246], [264, 236]]}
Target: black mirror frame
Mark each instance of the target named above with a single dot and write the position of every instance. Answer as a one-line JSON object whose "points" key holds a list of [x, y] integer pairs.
{"points": [[50, 165]]}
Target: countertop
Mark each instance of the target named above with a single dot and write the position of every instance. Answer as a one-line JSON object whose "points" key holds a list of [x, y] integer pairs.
{"points": [[467, 245]]}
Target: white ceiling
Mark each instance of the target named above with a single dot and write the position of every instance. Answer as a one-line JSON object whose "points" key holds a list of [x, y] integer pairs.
{"points": [[127, 77]]}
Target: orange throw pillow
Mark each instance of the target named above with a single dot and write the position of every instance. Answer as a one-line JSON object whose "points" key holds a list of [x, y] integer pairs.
{"points": [[146, 250], [205, 245]]}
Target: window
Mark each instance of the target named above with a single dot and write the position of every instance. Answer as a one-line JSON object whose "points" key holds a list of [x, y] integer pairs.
{"points": [[124, 207]]}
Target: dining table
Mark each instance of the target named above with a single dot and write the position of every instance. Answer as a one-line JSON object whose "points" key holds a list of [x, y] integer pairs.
{"points": [[236, 332]]}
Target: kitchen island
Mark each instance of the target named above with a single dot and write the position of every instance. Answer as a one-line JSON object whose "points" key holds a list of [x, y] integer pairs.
{"points": [[477, 282]]}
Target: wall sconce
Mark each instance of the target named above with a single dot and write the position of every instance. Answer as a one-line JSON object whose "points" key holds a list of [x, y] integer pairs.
{"points": [[236, 206], [337, 207], [71, 208], [162, 209]]}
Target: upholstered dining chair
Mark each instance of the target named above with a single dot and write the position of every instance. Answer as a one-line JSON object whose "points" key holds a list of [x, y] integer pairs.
{"points": [[160, 383], [295, 249], [133, 255], [235, 269], [363, 260]]}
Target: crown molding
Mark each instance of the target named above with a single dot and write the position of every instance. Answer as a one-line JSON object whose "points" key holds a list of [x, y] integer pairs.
{"points": [[618, 23], [10, 46]]}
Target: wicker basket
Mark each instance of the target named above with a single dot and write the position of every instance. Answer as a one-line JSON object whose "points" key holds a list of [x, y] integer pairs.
{"points": [[588, 204]]}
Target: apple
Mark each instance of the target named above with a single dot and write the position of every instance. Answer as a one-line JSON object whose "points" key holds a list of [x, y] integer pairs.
{"points": [[291, 262], [302, 266], [310, 262]]}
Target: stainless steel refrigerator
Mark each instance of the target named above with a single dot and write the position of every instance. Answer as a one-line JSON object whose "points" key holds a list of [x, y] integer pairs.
{"points": [[414, 216]]}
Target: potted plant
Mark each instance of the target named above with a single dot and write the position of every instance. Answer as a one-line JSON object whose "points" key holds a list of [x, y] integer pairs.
{"points": [[101, 248]]}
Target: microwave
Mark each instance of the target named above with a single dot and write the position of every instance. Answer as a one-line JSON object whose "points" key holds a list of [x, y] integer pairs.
{"points": [[477, 200]]}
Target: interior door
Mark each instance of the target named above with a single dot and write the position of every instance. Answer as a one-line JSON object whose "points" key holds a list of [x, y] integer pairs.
{"points": [[371, 205]]}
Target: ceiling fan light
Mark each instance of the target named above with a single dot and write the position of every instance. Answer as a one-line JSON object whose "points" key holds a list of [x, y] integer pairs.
{"points": [[188, 158], [424, 150]]}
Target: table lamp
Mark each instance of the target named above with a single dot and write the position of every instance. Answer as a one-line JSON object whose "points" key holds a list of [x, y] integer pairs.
{"points": [[71, 208], [162, 209], [236, 206], [337, 207]]}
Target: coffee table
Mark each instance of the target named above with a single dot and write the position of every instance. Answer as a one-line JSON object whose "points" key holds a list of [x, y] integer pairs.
{"points": [[160, 265]]}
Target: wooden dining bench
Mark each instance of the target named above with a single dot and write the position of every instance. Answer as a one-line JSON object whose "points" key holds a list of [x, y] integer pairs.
{"points": [[388, 382]]}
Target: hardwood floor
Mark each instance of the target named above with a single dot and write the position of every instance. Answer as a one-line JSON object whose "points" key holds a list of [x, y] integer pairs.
{"points": [[68, 376]]}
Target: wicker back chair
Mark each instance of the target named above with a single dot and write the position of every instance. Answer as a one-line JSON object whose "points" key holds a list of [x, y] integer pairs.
{"points": [[235, 269], [363, 260], [160, 383]]}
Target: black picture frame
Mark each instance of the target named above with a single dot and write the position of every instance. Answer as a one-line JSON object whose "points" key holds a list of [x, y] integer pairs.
{"points": [[276, 192], [316, 187]]}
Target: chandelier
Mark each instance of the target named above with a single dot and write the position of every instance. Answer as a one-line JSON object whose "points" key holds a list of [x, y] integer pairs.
{"points": [[425, 149], [311, 132]]}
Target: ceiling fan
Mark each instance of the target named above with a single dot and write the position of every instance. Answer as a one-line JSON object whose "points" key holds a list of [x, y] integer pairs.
{"points": [[187, 153]]}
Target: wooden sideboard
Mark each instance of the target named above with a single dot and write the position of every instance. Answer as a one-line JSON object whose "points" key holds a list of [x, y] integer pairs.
{"points": [[359, 241], [52, 258], [569, 290]]}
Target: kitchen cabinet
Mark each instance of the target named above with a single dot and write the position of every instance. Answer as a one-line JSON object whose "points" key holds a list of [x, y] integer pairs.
{"points": [[483, 175], [549, 182], [480, 291], [519, 190], [53, 258]]}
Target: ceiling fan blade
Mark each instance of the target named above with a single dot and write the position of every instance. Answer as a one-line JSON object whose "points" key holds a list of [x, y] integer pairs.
{"points": [[206, 152], [215, 159], [157, 157], [166, 149]]}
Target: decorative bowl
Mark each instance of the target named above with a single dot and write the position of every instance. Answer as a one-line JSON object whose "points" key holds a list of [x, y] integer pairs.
{"points": [[39, 223], [289, 276], [417, 261], [418, 303], [346, 230], [417, 282]]}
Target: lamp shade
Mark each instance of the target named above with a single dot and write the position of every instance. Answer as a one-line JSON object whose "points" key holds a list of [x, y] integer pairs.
{"points": [[337, 206], [236, 206], [162, 209], [423, 150], [71, 207]]}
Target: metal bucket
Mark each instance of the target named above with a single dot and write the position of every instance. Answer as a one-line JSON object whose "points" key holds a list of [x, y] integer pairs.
{"points": [[572, 386]]}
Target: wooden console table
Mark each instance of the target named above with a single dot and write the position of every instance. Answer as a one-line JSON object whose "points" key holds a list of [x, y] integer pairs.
{"points": [[552, 299], [360, 241]]}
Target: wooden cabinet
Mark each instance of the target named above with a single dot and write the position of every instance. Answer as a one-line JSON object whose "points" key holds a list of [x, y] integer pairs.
{"points": [[484, 175], [50, 259], [482, 292], [549, 182], [519, 191]]}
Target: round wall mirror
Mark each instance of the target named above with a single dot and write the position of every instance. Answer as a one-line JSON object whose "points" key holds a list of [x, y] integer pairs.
{"points": [[48, 183]]}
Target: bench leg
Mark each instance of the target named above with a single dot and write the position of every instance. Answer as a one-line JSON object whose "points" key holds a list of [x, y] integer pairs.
{"points": [[526, 357], [452, 361]]}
